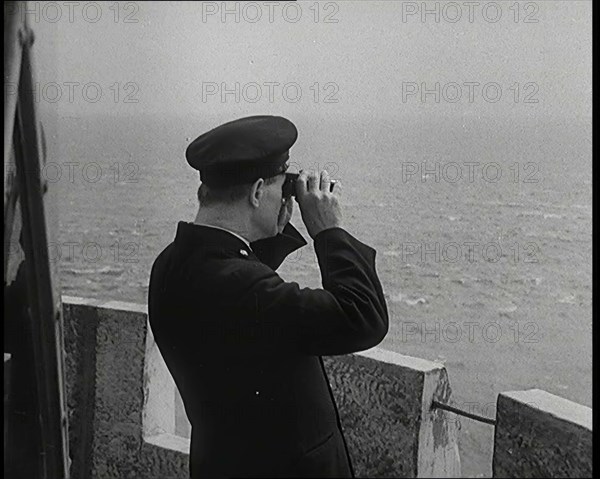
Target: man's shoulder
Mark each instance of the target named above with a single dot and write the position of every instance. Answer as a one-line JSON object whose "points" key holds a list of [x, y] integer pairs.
{"points": [[237, 269], [163, 257], [199, 266]]}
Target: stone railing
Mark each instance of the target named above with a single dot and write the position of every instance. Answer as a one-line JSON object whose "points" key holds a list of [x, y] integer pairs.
{"points": [[123, 402], [539, 434]]}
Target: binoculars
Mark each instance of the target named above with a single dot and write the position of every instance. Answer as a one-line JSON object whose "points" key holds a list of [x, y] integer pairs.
{"points": [[289, 185]]}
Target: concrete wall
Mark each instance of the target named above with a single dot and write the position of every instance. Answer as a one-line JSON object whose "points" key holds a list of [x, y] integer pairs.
{"points": [[122, 404], [539, 434], [106, 379], [384, 400]]}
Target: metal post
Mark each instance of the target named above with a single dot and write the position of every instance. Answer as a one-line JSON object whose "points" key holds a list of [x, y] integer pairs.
{"points": [[44, 315]]}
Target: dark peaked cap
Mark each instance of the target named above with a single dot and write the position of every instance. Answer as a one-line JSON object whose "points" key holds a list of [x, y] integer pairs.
{"points": [[243, 150]]}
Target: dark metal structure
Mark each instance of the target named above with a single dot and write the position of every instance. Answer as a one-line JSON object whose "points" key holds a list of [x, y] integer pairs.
{"points": [[36, 424]]}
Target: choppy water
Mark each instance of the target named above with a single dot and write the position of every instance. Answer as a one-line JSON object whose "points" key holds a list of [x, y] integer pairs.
{"points": [[491, 276]]}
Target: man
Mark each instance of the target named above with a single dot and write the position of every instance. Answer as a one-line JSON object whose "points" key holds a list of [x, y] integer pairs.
{"points": [[244, 347]]}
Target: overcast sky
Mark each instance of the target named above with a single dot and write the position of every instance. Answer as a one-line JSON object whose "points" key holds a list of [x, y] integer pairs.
{"points": [[358, 58]]}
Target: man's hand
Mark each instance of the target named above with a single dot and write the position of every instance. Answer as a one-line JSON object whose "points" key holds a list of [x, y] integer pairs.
{"points": [[285, 214], [320, 208]]}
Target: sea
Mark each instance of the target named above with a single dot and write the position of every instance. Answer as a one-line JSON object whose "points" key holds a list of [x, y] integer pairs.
{"points": [[482, 227]]}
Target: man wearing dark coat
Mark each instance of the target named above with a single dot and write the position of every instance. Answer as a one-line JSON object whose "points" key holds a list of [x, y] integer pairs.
{"points": [[244, 346]]}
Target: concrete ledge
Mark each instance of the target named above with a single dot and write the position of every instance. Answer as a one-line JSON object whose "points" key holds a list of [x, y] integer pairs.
{"points": [[98, 303], [170, 441], [397, 359], [161, 458], [105, 359], [122, 403], [539, 434], [384, 400]]}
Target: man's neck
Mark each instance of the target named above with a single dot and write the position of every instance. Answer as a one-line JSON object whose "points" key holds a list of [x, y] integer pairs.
{"points": [[226, 220]]}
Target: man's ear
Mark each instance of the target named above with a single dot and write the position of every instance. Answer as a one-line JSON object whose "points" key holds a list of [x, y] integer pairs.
{"points": [[256, 192]]}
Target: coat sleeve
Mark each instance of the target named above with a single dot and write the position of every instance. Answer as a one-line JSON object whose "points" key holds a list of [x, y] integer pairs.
{"points": [[272, 251], [348, 315]]}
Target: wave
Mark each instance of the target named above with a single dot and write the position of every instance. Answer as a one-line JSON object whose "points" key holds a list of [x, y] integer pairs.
{"points": [[110, 270], [548, 235], [568, 299], [546, 216], [401, 298], [505, 312], [536, 280]]}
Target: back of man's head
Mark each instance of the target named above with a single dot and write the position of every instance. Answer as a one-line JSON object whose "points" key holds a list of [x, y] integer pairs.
{"points": [[226, 195]]}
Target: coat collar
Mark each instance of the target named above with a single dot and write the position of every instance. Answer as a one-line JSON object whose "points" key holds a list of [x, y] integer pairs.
{"points": [[271, 251], [191, 236], [246, 242]]}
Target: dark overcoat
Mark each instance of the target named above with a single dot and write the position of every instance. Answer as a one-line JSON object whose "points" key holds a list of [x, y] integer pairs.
{"points": [[244, 347]]}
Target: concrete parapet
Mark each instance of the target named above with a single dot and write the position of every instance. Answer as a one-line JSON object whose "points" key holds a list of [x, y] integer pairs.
{"points": [[122, 403], [384, 400], [539, 434], [105, 359]]}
